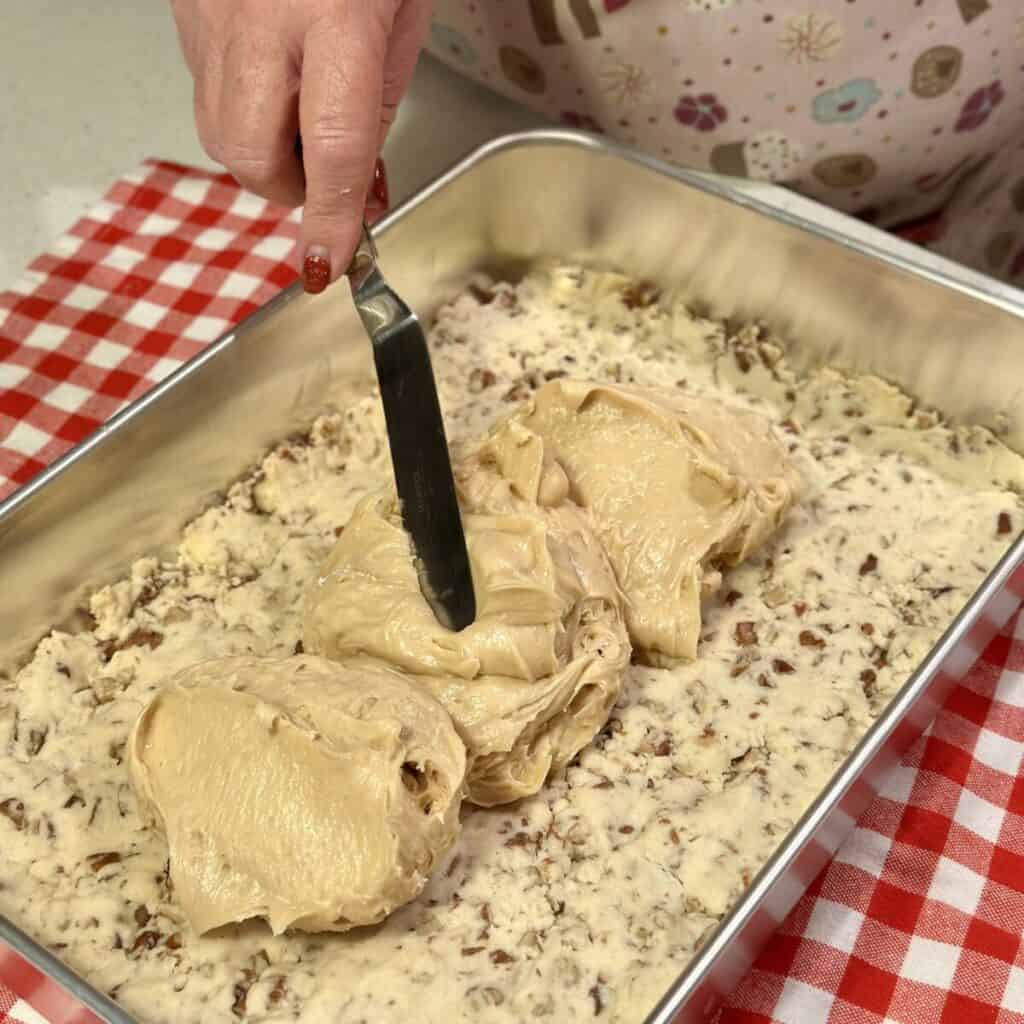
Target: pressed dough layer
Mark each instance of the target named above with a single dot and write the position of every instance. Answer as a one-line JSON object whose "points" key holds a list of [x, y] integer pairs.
{"points": [[584, 900]]}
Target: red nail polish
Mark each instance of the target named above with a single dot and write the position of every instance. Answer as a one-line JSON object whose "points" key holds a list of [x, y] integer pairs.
{"points": [[316, 273], [380, 184]]}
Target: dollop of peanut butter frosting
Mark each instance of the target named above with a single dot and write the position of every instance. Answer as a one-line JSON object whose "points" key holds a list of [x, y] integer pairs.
{"points": [[315, 795], [535, 676], [320, 793], [676, 486]]}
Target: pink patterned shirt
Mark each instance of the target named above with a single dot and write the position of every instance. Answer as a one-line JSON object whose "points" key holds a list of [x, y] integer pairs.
{"points": [[894, 110]]}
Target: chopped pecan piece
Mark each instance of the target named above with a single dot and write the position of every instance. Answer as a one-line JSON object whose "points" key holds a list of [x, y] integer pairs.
{"points": [[746, 634], [145, 941], [278, 991], [98, 861], [808, 638], [36, 739], [14, 811], [640, 295], [480, 379], [485, 296], [145, 638]]}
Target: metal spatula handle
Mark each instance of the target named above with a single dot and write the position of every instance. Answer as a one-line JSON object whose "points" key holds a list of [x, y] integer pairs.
{"points": [[364, 260]]}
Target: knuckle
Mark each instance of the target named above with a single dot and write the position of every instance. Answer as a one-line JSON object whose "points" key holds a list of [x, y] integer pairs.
{"points": [[332, 132], [393, 79], [327, 206], [330, 139]]}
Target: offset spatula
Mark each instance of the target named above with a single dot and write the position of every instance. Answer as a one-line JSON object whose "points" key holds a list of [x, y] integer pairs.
{"points": [[419, 448]]}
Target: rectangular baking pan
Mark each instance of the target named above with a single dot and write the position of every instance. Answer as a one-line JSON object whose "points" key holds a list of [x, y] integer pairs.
{"points": [[944, 335]]}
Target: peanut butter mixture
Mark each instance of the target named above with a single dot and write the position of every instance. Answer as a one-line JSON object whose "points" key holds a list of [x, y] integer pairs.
{"points": [[530, 682], [678, 487], [315, 796], [585, 900]]}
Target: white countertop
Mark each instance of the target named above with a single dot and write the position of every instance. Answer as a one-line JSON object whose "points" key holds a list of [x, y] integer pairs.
{"points": [[123, 94]]}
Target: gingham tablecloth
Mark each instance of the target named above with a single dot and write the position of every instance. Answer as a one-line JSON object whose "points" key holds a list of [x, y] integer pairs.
{"points": [[164, 264], [27, 996], [917, 920]]}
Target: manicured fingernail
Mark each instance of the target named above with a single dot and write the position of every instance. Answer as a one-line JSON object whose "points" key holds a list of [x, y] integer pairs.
{"points": [[380, 184], [316, 270]]}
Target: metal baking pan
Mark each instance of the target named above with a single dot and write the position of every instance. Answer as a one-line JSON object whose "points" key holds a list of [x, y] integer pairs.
{"points": [[865, 306]]}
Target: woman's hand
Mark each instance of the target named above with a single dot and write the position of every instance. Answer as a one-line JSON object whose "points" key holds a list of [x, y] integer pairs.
{"points": [[333, 71]]}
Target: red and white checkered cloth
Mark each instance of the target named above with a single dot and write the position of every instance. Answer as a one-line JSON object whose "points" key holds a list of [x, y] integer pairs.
{"points": [[27, 996], [162, 266], [919, 916], [917, 920]]}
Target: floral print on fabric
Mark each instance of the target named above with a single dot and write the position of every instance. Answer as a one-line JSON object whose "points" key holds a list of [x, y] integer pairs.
{"points": [[627, 84], [811, 38], [850, 102], [907, 112], [979, 106], [702, 112]]}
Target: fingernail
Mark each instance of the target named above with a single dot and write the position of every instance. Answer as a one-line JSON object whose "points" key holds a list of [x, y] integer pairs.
{"points": [[316, 270], [380, 184]]}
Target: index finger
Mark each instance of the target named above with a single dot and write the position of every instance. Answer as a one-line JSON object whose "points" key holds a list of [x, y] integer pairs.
{"points": [[339, 117]]}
